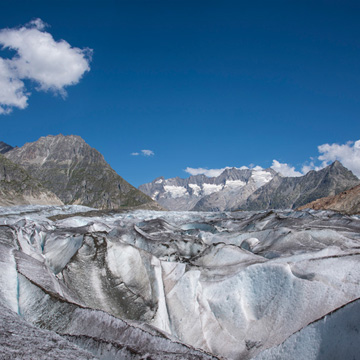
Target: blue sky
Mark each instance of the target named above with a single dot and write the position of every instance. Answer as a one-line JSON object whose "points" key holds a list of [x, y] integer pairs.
{"points": [[202, 84]]}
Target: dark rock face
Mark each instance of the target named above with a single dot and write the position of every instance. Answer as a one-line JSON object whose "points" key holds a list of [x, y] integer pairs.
{"points": [[17, 187], [4, 148], [76, 173], [347, 202], [292, 192]]}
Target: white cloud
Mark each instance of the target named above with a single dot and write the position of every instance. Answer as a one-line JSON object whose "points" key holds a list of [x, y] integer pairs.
{"points": [[348, 154], [311, 166], [12, 90], [51, 64], [285, 169], [37, 23], [147, 152], [143, 153], [210, 172], [207, 172]]}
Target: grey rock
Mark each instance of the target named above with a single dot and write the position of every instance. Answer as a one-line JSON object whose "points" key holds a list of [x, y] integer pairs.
{"points": [[17, 187]]}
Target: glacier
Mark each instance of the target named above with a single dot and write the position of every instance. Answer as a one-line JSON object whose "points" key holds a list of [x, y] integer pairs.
{"points": [[178, 285]]}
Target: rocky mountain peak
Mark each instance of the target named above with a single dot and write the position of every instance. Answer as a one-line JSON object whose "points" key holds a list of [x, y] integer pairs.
{"points": [[57, 148], [76, 173], [337, 163], [234, 174], [338, 167], [159, 179]]}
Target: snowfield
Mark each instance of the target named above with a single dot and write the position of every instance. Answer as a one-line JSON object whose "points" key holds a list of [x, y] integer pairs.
{"points": [[178, 285]]}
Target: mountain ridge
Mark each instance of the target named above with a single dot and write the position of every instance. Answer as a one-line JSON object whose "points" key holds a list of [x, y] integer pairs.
{"points": [[249, 189], [292, 192], [184, 194], [77, 173]]}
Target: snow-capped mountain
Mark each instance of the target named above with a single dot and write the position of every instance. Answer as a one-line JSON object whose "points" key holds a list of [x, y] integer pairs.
{"points": [[178, 285], [245, 189], [231, 187]]}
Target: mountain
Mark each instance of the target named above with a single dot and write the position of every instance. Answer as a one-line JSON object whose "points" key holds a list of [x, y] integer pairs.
{"points": [[204, 193], [77, 173], [347, 202], [234, 193], [249, 189], [4, 147], [179, 286], [17, 187], [292, 192]]}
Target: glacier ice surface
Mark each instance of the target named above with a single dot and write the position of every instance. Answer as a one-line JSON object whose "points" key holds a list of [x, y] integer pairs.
{"points": [[238, 285]]}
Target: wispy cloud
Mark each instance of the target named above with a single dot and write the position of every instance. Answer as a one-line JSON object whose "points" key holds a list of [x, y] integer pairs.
{"points": [[209, 172], [147, 152], [202, 171], [143, 153], [52, 65], [308, 166]]}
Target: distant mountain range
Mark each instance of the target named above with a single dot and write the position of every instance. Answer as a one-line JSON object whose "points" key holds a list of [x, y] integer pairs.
{"points": [[66, 170], [203, 193], [249, 189], [77, 173]]}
